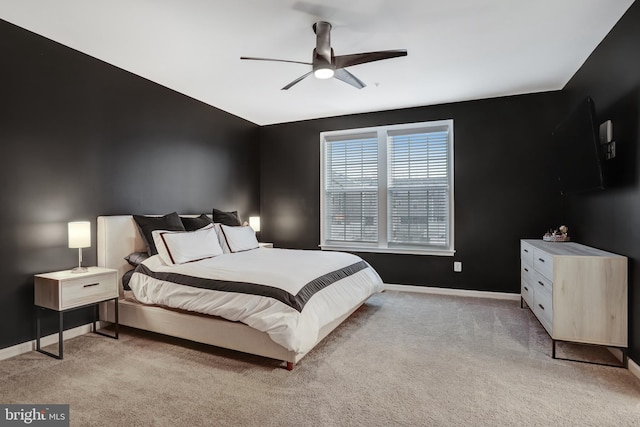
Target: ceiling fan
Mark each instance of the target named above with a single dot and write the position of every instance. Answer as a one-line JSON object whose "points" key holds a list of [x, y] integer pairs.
{"points": [[325, 65]]}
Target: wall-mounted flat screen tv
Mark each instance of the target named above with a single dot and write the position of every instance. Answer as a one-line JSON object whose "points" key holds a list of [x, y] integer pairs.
{"points": [[579, 154]]}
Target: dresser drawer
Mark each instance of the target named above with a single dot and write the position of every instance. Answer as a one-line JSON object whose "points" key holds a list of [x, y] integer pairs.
{"points": [[527, 292], [543, 309], [526, 253], [526, 272], [543, 263], [541, 283], [82, 291]]}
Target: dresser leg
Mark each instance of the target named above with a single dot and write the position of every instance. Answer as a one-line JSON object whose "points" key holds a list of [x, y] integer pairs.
{"points": [[624, 363]]}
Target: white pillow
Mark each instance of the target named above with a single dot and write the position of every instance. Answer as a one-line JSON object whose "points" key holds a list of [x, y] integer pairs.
{"points": [[239, 238], [179, 247]]}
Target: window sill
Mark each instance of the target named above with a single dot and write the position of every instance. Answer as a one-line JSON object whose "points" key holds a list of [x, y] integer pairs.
{"points": [[407, 251]]}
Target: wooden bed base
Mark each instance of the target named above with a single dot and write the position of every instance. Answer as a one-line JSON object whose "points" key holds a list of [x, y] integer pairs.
{"points": [[117, 238]]}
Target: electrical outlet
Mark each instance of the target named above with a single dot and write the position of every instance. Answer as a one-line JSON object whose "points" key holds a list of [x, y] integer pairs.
{"points": [[611, 150], [457, 266]]}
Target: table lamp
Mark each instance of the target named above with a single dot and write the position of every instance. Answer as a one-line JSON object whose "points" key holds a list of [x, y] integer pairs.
{"points": [[79, 237]]}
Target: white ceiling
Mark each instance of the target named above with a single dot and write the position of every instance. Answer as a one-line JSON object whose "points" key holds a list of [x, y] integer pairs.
{"points": [[457, 49]]}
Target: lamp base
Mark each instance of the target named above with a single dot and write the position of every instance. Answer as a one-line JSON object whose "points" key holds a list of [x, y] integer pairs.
{"points": [[80, 270]]}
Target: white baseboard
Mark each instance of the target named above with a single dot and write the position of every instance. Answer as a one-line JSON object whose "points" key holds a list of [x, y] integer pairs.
{"points": [[28, 346], [453, 292], [634, 368]]}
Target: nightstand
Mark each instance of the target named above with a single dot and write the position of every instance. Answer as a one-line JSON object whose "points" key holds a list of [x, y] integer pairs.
{"points": [[265, 245], [64, 291]]}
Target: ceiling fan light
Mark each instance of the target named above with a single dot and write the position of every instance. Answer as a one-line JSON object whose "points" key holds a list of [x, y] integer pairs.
{"points": [[323, 73]]}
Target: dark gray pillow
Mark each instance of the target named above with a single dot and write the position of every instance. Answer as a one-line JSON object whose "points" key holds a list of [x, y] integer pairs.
{"points": [[227, 218], [126, 277], [136, 258], [146, 225], [193, 224]]}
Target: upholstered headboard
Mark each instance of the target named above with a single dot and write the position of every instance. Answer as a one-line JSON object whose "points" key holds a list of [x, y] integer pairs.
{"points": [[118, 236]]}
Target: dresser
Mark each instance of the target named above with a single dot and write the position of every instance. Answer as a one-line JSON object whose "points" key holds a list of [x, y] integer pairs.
{"points": [[578, 293]]}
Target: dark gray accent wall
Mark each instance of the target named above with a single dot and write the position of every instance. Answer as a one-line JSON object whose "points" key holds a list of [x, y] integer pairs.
{"points": [[610, 219], [81, 138], [504, 187]]}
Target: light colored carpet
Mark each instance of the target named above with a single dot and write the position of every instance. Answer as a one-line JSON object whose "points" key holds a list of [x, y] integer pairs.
{"points": [[402, 359]]}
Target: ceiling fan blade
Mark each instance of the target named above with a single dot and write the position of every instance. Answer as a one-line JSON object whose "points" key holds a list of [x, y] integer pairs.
{"points": [[362, 58], [298, 80], [349, 78], [274, 60]]}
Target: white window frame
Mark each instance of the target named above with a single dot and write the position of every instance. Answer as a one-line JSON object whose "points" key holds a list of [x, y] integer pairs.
{"points": [[382, 246]]}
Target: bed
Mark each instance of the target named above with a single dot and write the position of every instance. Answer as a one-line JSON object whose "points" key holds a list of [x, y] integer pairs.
{"points": [[118, 237]]}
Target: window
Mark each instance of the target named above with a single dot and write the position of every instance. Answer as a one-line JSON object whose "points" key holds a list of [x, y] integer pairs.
{"points": [[388, 189]]}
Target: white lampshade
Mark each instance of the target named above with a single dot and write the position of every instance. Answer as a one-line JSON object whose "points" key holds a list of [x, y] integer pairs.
{"points": [[79, 234], [254, 222]]}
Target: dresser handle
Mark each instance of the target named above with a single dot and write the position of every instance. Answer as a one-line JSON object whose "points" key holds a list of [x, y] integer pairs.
{"points": [[540, 259], [541, 284], [93, 284], [541, 306]]}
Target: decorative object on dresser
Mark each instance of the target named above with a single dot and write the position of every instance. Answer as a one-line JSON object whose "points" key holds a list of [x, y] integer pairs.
{"points": [[561, 234], [79, 237], [578, 293], [67, 290]]}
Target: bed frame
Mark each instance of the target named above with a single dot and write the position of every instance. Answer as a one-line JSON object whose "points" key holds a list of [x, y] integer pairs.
{"points": [[118, 236]]}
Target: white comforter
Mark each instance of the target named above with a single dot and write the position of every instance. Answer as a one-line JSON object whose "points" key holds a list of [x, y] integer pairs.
{"points": [[289, 270]]}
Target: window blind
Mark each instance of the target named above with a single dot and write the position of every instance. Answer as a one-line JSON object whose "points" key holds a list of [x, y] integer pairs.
{"points": [[418, 188], [351, 189]]}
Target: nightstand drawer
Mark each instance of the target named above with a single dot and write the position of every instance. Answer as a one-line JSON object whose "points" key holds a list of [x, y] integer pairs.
{"points": [[85, 291], [63, 290]]}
